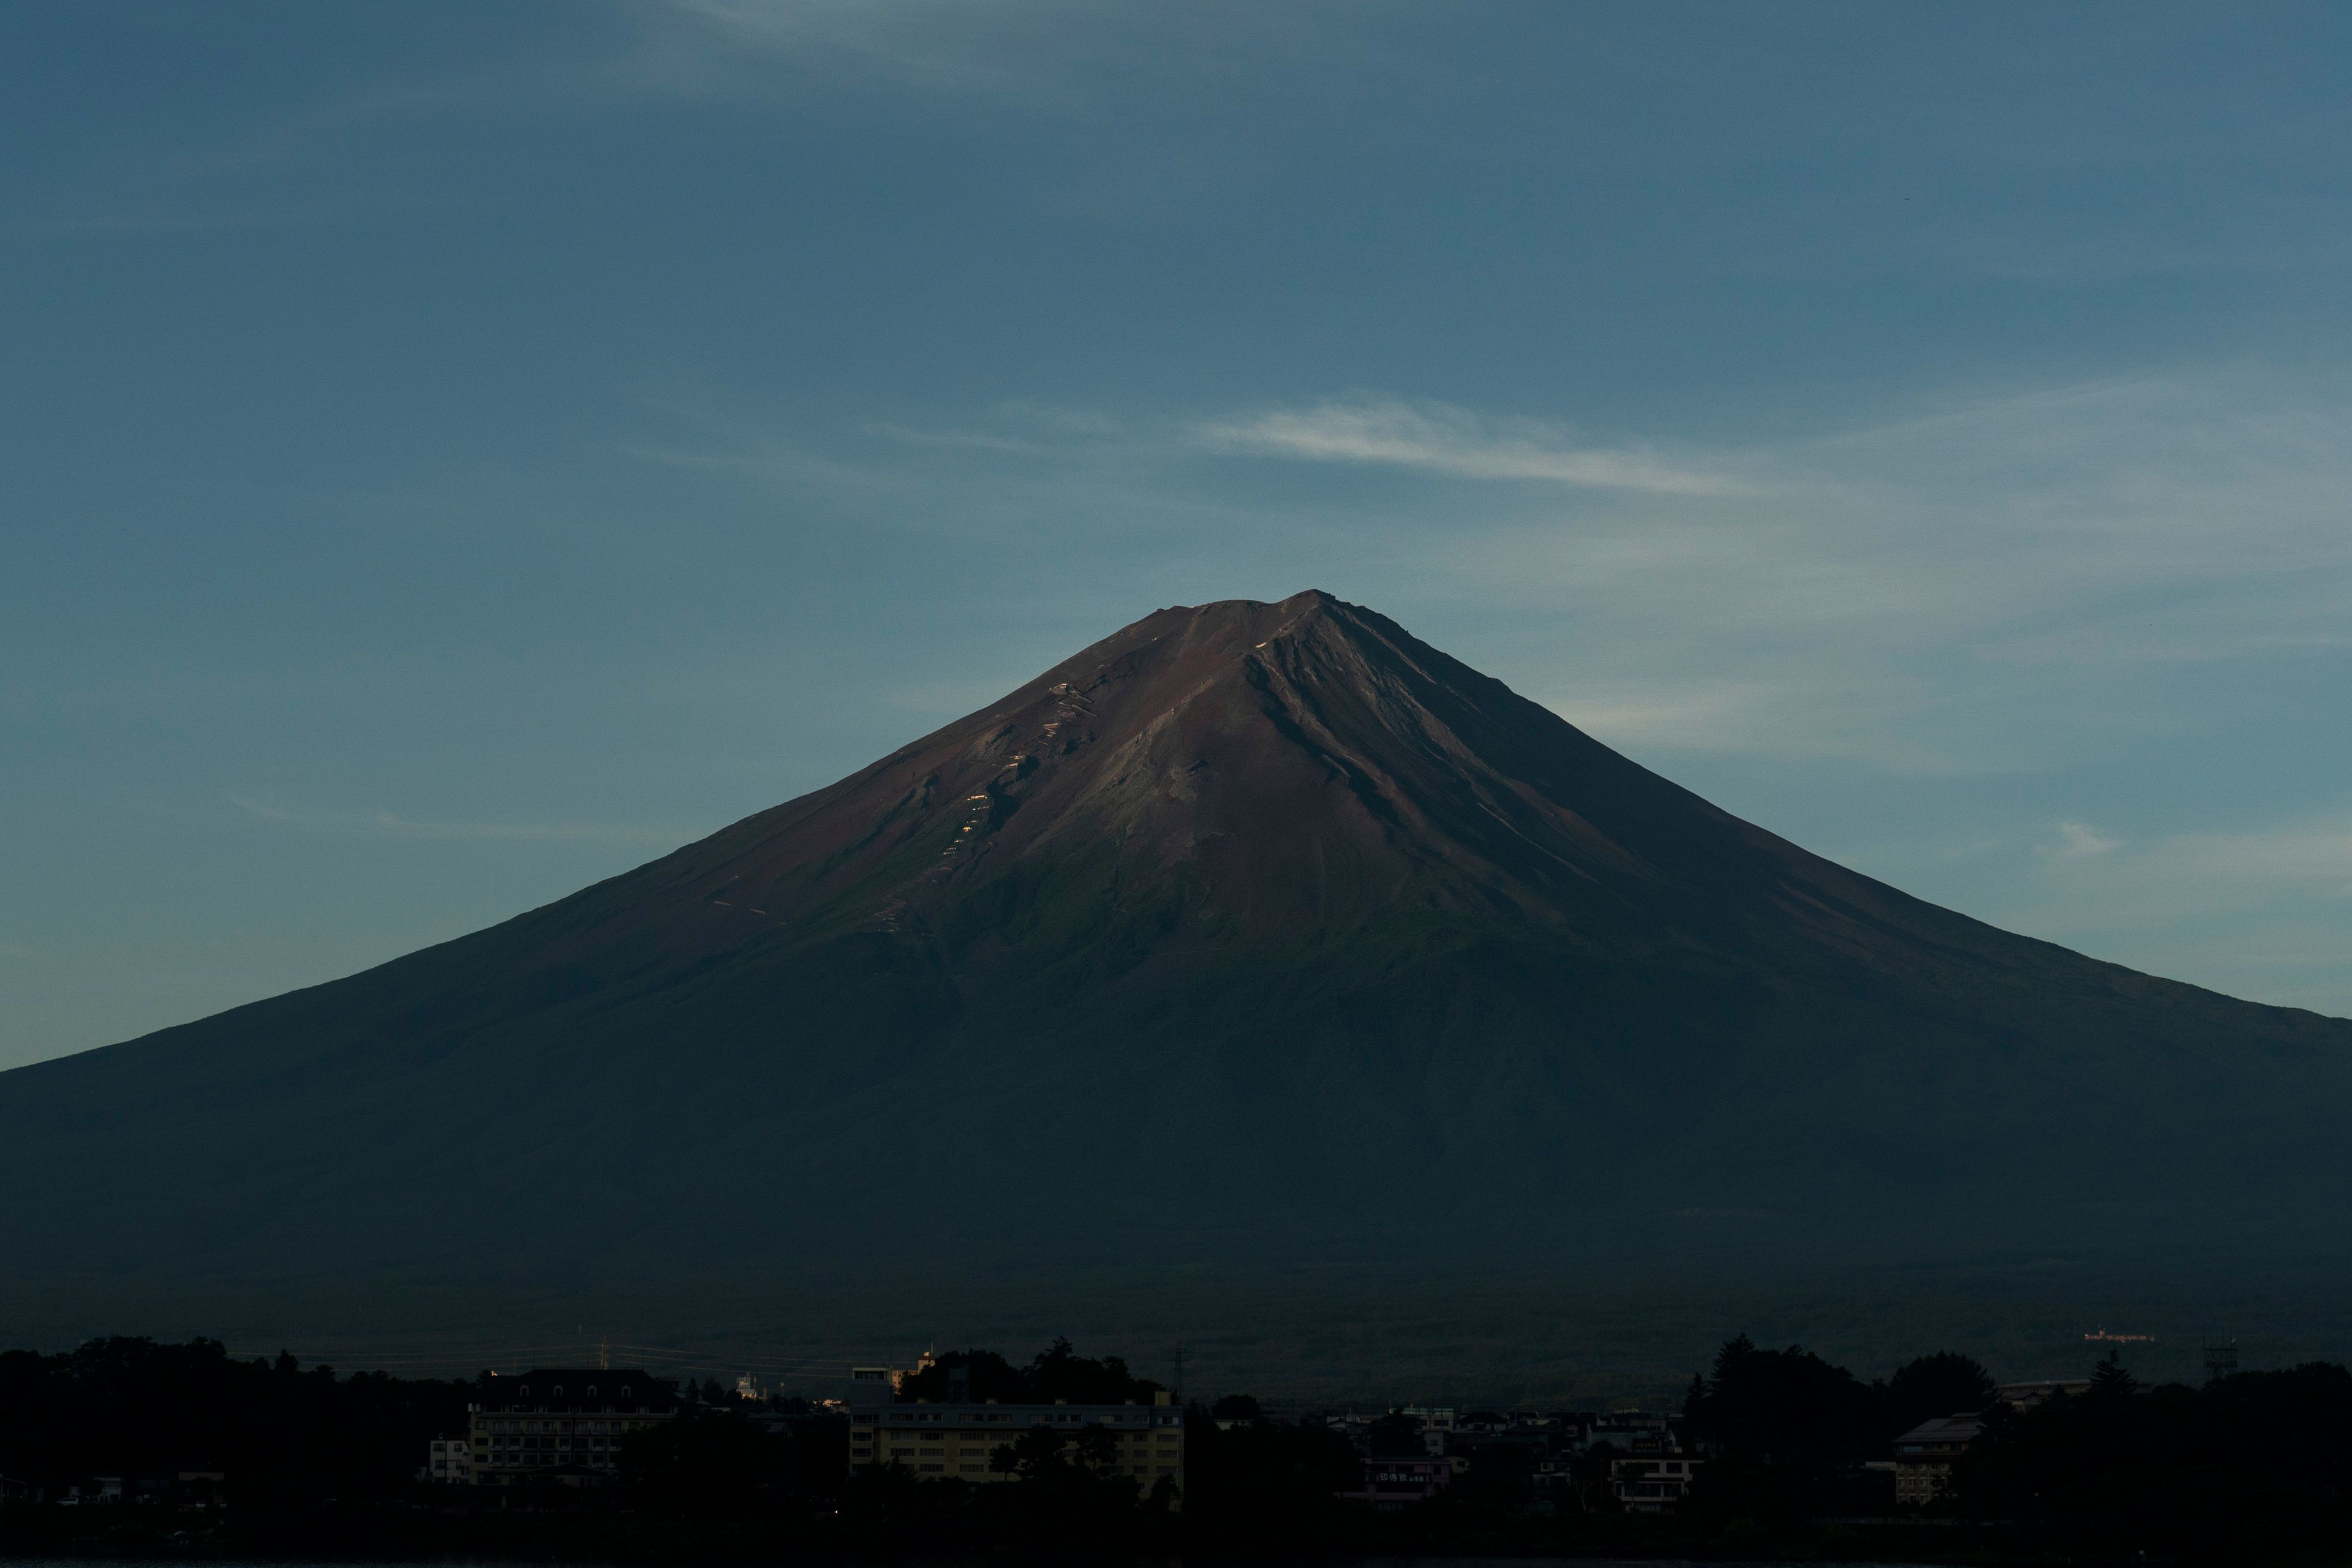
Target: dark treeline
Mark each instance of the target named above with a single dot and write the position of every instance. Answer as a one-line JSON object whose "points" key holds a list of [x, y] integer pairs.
{"points": [[2255, 1464], [1786, 1434], [278, 1434], [2252, 1467], [1059, 1373]]}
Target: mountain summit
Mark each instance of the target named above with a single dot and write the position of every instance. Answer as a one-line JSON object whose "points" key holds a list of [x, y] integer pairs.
{"points": [[1254, 928]]}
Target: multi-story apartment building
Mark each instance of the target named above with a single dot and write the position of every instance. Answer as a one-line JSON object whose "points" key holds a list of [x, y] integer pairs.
{"points": [[1924, 1454], [561, 1423], [1652, 1484], [449, 1461], [958, 1437]]}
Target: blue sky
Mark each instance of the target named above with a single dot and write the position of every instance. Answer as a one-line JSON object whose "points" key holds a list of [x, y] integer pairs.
{"points": [[455, 452]]}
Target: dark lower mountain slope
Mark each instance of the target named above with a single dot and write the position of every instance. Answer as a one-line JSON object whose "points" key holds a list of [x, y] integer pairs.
{"points": [[1252, 927]]}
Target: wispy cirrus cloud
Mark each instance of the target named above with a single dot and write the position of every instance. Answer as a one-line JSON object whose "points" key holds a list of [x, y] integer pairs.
{"points": [[1032, 53], [2077, 839], [2246, 910], [1440, 438], [2316, 855], [922, 37]]}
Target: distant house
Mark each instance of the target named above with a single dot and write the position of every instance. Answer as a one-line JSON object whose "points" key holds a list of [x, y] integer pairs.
{"points": [[1924, 1456], [1436, 1424], [2026, 1396], [1632, 1431], [1652, 1485], [1388, 1484]]}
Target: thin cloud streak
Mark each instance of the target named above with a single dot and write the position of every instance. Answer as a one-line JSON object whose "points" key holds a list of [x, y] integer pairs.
{"points": [[1440, 438], [908, 39], [2077, 839], [1033, 54], [1908, 594], [2216, 906]]}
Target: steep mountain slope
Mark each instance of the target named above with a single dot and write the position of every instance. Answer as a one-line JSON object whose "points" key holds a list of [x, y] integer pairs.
{"points": [[1252, 927]]}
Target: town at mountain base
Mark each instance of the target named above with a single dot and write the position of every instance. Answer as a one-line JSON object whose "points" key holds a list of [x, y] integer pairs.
{"points": [[1252, 938]]}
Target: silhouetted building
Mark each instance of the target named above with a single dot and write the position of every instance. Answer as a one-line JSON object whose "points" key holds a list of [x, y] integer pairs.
{"points": [[561, 1423], [958, 1437], [1652, 1483], [449, 1460], [2026, 1396], [1391, 1483], [1924, 1456], [1436, 1424]]}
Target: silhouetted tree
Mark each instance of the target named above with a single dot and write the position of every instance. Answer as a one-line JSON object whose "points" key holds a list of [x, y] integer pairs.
{"points": [[1945, 1383], [1396, 1434], [286, 1437], [2111, 1380], [1058, 1371], [1787, 1431], [711, 1461], [1267, 1483]]}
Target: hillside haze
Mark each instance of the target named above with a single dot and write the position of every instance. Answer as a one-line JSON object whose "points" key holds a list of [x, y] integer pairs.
{"points": [[1254, 932]]}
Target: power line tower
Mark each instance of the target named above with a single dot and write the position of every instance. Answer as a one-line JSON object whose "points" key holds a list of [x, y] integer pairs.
{"points": [[1177, 1357], [2220, 1359]]}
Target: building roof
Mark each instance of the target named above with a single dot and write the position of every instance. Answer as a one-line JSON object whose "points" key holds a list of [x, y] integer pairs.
{"points": [[540, 1383], [980, 1412], [2026, 1396], [1940, 1435]]}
